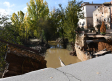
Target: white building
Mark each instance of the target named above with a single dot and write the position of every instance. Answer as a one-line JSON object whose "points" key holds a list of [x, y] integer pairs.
{"points": [[87, 9]]}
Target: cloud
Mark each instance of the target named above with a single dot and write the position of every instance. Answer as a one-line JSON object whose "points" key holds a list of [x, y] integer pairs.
{"points": [[8, 4], [3, 11], [25, 8], [8, 10]]}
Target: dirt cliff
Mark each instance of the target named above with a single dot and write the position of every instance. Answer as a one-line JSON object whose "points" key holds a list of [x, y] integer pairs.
{"points": [[103, 45], [22, 61]]}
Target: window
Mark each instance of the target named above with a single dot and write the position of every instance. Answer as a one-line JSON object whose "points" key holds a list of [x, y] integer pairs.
{"points": [[108, 19], [97, 20], [104, 19], [95, 6], [83, 8], [83, 22], [101, 8]]}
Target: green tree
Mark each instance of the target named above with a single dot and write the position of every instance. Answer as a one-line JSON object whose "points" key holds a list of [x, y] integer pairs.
{"points": [[73, 13], [18, 26], [50, 31], [37, 10], [62, 17], [6, 33]]}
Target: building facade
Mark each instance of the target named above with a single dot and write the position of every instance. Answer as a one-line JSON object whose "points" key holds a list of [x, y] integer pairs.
{"points": [[87, 9], [102, 13]]}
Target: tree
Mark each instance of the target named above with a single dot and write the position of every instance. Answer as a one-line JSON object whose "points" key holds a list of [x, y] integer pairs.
{"points": [[61, 15], [37, 10], [73, 13], [19, 26], [50, 31], [6, 33], [103, 28]]}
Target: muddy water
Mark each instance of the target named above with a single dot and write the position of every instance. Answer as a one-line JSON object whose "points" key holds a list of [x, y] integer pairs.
{"points": [[57, 51]]}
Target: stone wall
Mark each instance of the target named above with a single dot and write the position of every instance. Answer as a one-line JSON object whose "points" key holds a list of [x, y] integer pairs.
{"points": [[80, 54], [102, 13], [79, 39], [79, 44]]}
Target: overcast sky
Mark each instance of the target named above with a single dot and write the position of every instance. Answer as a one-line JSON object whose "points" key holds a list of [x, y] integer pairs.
{"points": [[8, 7]]}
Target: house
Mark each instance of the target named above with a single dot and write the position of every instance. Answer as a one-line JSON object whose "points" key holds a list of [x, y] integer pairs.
{"points": [[102, 13], [87, 9]]}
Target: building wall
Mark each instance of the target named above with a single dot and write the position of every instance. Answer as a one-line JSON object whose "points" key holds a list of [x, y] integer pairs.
{"points": [[88, 14], [89, 22], [82, 23], [111, 17], [101, 14], [90, 9]]}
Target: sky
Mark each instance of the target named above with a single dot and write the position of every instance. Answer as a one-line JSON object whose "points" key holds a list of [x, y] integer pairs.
{"points": [[7, 7]]}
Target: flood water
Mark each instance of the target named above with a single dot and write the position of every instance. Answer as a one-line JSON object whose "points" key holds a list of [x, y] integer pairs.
{"points": [[56, 50]]}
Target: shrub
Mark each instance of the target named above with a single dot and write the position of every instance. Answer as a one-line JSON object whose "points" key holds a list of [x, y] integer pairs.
{"points": [[103, 28]]}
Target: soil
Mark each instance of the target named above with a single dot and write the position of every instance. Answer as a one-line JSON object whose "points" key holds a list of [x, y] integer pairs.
{"points": [[103, 45]]}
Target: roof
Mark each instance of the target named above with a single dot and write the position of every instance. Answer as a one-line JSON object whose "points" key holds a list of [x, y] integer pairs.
{"points": [[87, 3], [107, 3], [93, 4]]}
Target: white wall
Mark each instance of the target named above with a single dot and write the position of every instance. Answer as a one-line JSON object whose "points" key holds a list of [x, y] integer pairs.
{"points": [[84, 11], [81, 21], [88, 12], [90, 9]]}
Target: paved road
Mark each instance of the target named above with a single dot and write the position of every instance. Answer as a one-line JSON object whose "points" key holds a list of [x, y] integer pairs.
{"points": [[96, 69]]}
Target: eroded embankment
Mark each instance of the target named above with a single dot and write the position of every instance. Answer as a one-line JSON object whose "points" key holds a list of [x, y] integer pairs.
{"points": [[88, 47]]}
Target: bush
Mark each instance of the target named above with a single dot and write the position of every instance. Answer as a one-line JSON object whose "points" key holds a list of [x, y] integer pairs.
{"points": [[103, 28]]}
